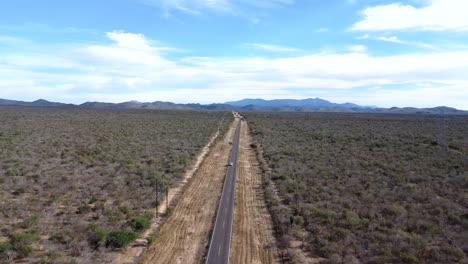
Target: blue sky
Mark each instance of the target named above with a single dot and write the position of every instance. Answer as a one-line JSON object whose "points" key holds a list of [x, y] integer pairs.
{"points": [[370, 52]]}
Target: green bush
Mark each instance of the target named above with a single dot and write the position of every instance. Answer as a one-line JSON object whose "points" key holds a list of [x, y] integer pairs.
{"points": [[62, 236], [352, 218], [98, 236], [141, 223], [408, 257], [21, 243], [151, 239], [120, 238], [5, 248]]}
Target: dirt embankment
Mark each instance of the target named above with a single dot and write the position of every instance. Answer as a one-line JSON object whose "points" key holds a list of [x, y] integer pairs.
{"points": [[253, 240], [184, 236]]}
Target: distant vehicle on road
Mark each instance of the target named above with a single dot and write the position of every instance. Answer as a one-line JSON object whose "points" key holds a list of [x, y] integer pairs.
{"points": [[230, 164]]}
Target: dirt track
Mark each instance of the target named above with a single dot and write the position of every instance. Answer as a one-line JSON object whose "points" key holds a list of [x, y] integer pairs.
{"points": [[252, 240], [184, 236]]}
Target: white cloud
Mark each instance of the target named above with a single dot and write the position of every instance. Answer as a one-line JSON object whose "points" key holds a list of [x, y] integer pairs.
{"points": [[129, 40], [437, 15], [322, 30], [132, 67], [271, 48], [128, 48], [357, 48]]}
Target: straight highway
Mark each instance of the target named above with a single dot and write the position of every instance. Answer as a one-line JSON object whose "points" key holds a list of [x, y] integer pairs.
{"points": [[220, 243]]}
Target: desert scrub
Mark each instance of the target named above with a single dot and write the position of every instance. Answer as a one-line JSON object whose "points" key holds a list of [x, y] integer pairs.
{"points": [[61, 169], [6, 252], [21, 243], [382, 188], [120, 238], [100, 236], [97, 235], [141, 223]]}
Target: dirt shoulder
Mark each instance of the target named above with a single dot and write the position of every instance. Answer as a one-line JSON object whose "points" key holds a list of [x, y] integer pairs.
{"points": [[135, 252], [253, 240], [184, 236]]}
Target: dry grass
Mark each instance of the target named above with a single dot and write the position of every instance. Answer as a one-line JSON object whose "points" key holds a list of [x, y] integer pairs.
{"points": [[70, 176]]}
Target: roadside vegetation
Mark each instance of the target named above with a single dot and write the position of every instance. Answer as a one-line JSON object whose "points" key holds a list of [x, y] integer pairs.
{"points": [[76, 183], [367, 188]]}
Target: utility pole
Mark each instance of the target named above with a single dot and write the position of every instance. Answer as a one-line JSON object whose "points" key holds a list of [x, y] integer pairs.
{"points": [[157, 200], [167, 196]]}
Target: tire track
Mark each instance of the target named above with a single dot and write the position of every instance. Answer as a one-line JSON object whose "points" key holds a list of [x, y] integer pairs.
{"points": [[253, 239]]}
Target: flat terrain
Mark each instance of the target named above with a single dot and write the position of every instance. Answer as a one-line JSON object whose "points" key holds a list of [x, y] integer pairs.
{"points": [[184, 237], [75, 183], [220, 242], [252, 240], [367, 187], [133, 253]]}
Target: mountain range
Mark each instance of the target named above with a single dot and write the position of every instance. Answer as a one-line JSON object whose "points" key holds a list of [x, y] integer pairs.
{"points": [[279, 105]]}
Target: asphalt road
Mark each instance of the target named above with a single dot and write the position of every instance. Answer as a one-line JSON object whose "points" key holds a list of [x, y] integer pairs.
{"points": [[220, 243]]}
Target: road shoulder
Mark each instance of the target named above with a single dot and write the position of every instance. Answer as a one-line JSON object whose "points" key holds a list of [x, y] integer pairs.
{"points": [[253, 239]]}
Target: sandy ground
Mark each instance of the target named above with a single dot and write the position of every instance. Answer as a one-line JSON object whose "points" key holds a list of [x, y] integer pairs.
{"points": [[252, 240], [184, 236], [133, 253]]}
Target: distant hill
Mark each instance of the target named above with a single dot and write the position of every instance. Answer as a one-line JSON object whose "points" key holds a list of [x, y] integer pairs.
{"points": [[321, 105], [311, 103], [435, 110], [37, 103], [279, 105]]}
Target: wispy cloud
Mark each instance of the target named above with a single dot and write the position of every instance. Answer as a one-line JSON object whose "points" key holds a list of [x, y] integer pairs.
{"points": [[9, 40], [394, 39], [271, 48], [197, 7], [45, 28], [357, 48], [437, 15], [366, 36], [322, 30]]}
